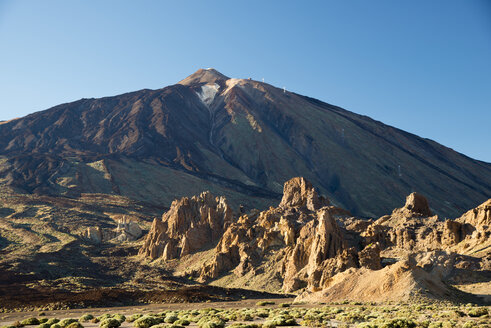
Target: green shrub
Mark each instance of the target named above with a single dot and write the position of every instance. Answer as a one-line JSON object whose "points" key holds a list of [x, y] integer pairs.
{"points": [[121, 318], [109, 323], [146, 321], [75, 324], [52, 321], [214, 322], [281, 320], [285, 305], [86, 317], [65, 322], [171, 318], [182, 322], [30, 321], [264, 303], [244, 325], [55, 325], [44, 325], [134, 317], [437, 324], [399, 323], [477, 312]]}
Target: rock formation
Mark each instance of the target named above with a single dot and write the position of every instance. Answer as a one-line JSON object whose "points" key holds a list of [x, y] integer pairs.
{"points": [[94, 234], [189, 225], [299, 192], [126, 230], [305, 245]]}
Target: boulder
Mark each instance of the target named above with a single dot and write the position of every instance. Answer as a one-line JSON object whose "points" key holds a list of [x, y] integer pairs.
{"points": [[416, 206]]}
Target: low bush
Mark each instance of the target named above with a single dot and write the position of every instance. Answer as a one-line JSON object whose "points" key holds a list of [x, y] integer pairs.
{"points": [[110, 323], [244, 325], [146, 321], [75, 324], [134, 317], [399, 323], [52, 321], [264, 303], [213, 322], [182, 322], [477, 312], [86, 318], [30, 321], [44, 325], [65, 322], [171, 318], [121, 318], [281, 320]]}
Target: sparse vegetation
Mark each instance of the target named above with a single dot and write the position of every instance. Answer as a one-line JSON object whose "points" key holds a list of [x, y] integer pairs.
{"points": [[366, 315]]}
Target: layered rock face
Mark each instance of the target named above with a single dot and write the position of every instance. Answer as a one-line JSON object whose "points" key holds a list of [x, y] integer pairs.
{"points": [[189, 225], [304, 243]]}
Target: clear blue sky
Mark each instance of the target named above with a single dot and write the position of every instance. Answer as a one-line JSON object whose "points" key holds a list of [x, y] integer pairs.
{"points": [[422, 66]]}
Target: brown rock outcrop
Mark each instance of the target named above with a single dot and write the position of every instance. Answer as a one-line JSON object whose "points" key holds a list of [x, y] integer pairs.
{"points": [[306, 244], [416, 205], [189, 225], [479, 217], [298, 192]]}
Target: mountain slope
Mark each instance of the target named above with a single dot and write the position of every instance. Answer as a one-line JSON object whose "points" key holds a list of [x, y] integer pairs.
{"points": [[238, 138]]}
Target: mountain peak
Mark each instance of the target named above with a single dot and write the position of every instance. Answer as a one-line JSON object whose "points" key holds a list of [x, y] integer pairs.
{"points": [[204, 76]]}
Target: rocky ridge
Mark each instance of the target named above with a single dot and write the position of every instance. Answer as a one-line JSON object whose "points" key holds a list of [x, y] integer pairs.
{"points": [[307, 246]]}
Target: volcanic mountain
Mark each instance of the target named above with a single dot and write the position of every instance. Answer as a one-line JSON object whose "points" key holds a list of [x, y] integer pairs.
{"points": [[235, 137]]}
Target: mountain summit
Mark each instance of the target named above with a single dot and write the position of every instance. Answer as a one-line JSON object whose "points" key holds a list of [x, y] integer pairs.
{"points": [[207, 76], [235, 137]]}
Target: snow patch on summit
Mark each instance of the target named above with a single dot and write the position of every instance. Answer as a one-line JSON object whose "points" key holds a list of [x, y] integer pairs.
{"points": [[208, 93]]}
